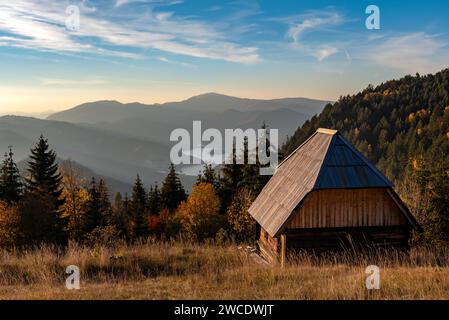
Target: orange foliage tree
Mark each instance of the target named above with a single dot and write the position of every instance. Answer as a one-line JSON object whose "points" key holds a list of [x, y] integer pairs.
{"points": [[199, 214]]}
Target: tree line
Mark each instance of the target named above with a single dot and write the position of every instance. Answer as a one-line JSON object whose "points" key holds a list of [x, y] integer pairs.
{"points": [[55, 205]]}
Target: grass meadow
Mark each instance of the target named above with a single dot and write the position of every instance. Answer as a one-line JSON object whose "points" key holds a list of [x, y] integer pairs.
{"points": [[181, 270]]}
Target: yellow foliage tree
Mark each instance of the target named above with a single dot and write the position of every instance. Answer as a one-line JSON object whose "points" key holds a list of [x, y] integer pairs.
{"points": [[10, 234], [242, 223], [76, 198], [199, 214]]}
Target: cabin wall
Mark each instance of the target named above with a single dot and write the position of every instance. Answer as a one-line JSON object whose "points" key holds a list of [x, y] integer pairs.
{"points": [[268, 246], [338, 208], [337, 239]]}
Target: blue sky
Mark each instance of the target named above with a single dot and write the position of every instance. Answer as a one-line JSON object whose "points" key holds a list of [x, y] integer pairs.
{"points": [[165, 50]]}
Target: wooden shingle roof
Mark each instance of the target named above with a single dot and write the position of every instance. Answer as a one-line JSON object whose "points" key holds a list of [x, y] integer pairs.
{"points": [[324, 161]]}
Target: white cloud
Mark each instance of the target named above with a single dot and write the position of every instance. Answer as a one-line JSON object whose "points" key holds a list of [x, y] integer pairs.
{"points": [[415, 52], [179, 63], [312, 22], [324, 52], [41, 26]]}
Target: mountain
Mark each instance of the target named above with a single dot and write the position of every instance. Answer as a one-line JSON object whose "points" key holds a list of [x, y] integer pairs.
{"points": [[84, 174], [107, 153], [213, 110], [118, 141], [394, 124], [113, 111]]}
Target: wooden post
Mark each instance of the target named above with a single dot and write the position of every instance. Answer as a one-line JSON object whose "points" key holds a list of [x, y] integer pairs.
{"points": [[283, 249]]}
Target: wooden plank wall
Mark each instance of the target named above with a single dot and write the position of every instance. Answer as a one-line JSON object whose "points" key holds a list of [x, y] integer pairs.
{"points": [[268, 246], [348, 208], [348, 238]]}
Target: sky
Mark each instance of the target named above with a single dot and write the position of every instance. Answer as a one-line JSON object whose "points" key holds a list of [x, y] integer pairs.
{"points": [[154, 51]]}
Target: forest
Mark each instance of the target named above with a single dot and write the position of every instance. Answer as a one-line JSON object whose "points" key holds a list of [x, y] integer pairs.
{"points": [[53, 206]]}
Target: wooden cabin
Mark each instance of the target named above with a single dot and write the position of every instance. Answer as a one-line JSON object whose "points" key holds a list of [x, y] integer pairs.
{"points": [[327, 196]]}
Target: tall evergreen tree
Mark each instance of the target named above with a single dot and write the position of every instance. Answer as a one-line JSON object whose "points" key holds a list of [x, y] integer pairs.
{"points": [[105, 204], [93, 208], [208, 175], [172, 191], [230, 180], [154, 200], [140, 209], [10, 181], [252, 179], [44, 176]]}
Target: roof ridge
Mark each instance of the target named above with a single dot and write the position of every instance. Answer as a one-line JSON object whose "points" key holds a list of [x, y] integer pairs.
{"points": [[327, 131], [319, 130]]}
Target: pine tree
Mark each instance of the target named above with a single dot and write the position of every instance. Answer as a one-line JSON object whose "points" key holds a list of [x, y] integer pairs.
{"points": [[140, 209], [230, 180], [105, 205], [44, 176], [127, 216], [172, 192], [10, 181], [154, 200], [98, 207], [93, 217], [208, 175]]}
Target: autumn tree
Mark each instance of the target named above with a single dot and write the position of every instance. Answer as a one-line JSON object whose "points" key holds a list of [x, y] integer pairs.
{"points": [[76, 197], [242, 224], [199, 214]]}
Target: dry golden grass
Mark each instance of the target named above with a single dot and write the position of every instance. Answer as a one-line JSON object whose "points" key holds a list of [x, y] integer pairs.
{"points": [[189, 271]]}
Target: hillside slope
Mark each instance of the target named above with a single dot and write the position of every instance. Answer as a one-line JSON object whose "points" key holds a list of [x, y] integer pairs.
{"points": [[393, 123]]}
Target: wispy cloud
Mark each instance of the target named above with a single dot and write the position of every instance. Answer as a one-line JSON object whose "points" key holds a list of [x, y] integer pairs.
{"points": [[414, 52], [178, 63], [312, 21], [41, 26]]}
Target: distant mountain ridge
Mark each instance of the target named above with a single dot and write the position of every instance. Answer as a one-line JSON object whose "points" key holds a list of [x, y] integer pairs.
{"points": [[113, 111], [157, 121], [119, 141]]}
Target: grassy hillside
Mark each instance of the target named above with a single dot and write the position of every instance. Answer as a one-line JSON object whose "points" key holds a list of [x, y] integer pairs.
{"points": [[187, 271]]}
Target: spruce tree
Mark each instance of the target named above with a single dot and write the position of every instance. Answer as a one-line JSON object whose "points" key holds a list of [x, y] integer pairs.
{"points": [[230, 180], [172, 192], [105, 205], [93, 208], [140, 209], [208, 175], [98, 207], [10, 181], [154, 200], [44, 176]]}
